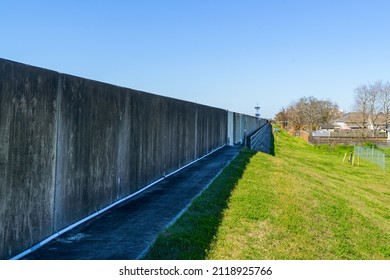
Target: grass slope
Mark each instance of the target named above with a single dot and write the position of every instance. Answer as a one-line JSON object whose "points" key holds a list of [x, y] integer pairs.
{"points": [[302, 203], [190, 236]]}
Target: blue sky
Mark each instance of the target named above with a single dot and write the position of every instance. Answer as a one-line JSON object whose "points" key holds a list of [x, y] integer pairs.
{"points": [[222, 53]]}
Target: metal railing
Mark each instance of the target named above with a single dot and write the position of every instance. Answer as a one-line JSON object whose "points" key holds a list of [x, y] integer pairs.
{"points": [[260, 139]]}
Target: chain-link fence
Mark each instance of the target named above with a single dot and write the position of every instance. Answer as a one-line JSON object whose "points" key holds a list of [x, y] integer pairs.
{"points": [[371, 154]]}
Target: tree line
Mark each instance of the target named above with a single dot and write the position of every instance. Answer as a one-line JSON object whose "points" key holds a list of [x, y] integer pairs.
{"points": [[371, 107], [308, 113], [372, 102]]}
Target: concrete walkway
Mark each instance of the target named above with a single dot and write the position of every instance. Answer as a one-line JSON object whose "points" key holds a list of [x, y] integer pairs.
{"points": [[128, 230]]}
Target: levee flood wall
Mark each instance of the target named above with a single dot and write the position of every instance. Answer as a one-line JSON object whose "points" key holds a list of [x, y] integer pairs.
{"points": [[70, 146]]}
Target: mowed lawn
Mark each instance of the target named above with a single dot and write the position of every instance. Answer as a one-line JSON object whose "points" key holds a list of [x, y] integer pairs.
{"points": [[302, 203]]}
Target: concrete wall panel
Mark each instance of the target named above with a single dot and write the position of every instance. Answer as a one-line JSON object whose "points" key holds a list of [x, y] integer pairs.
{"points": [[89, 129], [27, 155]]}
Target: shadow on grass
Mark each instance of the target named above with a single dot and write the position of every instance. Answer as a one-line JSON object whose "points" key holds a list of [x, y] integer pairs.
{"points": [[193, 233], [272, 143]]}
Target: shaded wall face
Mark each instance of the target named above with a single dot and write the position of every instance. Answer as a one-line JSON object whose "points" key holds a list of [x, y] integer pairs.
{"points": [[28, 102], [71, 146], [89, 130], [115, 141]]}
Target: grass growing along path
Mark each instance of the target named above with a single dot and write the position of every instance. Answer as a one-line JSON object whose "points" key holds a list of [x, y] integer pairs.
{"points": [[190, 236], [302, 203]]}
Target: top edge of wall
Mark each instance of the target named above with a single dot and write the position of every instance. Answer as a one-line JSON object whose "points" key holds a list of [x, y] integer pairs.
{"points": [[3, 60]]}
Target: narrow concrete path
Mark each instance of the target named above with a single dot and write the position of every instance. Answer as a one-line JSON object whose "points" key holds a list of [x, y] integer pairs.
{"points": [[127, 230]]}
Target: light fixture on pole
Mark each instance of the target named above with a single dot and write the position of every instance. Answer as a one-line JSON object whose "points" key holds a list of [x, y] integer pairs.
{"points": [[257, 111]]}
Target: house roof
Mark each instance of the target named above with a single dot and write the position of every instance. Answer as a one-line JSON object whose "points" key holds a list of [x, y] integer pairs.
{"points": [[355, 117], [327, 126], [348, 118]]}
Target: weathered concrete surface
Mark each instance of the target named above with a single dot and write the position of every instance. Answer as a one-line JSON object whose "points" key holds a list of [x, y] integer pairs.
{"points": [[114, 141], [89, 126], [71, 146], [28, 101], [127, 231]]}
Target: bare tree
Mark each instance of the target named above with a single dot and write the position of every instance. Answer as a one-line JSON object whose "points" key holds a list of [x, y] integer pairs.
{"points": [[374, 105], [328, 111], [385, 103], [295, 119], [308, 108], [309, 112], [362, 106], [282, 118]]}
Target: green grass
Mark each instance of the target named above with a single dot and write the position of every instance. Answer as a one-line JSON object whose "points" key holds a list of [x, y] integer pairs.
{"points": [[190, 236], [302, 203], [334, 149]]}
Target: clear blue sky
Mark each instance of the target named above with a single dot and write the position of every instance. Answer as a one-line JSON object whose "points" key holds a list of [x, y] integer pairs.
{"points": [[223, 53]]}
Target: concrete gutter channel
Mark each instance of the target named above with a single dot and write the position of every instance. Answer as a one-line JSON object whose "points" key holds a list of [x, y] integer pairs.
{"points": [[128, 230]]}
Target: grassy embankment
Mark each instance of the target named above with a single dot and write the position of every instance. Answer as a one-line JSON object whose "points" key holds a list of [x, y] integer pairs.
{"points": [[302, 203]]}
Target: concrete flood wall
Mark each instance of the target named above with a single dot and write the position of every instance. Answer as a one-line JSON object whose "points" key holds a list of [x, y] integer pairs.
{"points": [[28, 129], [114, 141], [71, 146], [242, 125]]}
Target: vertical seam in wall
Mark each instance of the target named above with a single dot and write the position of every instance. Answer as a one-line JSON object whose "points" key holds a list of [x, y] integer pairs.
{"points": [[58, 122], [196, 131]]}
